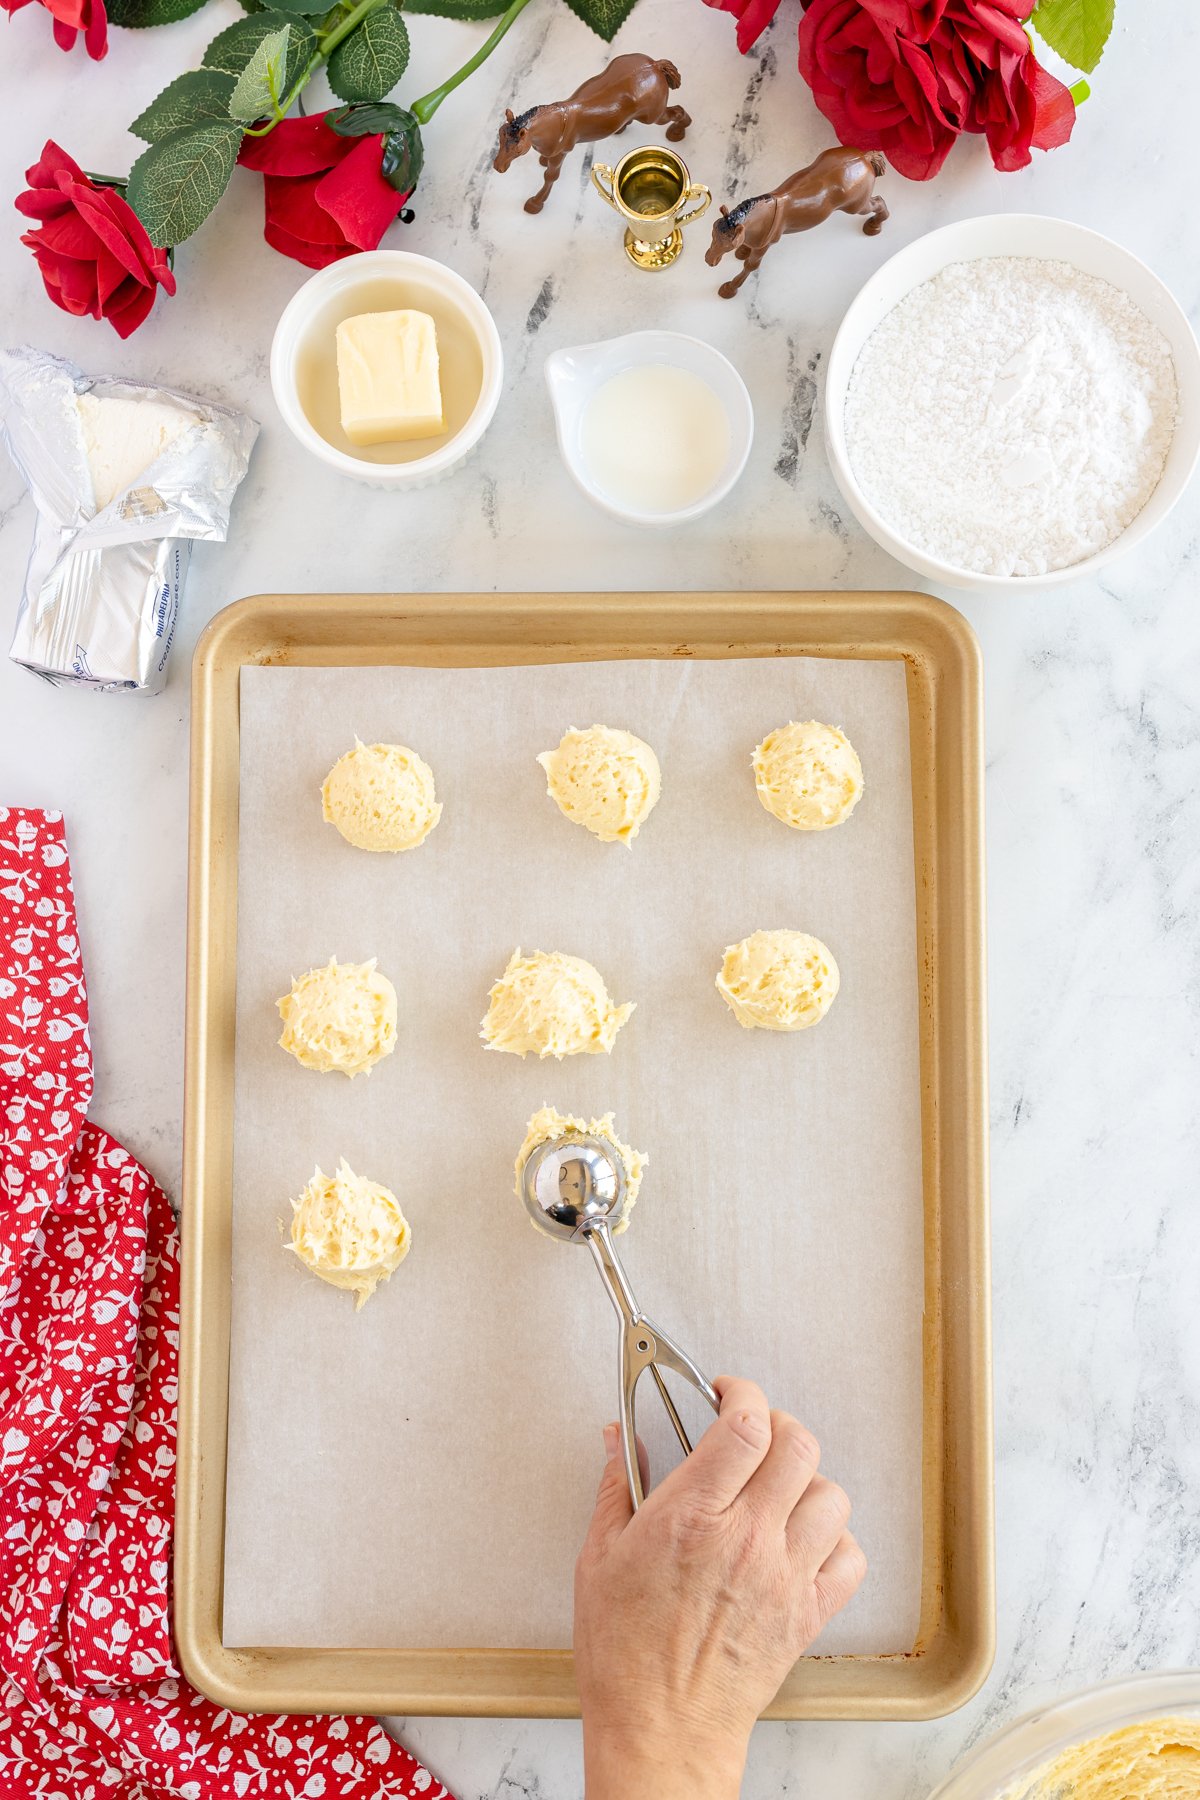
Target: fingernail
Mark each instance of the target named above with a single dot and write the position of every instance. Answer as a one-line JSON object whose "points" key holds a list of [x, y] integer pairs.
{"points": [[612, 1441]]}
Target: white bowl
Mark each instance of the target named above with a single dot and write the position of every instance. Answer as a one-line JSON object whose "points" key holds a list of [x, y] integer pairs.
{"points": [[1009, 1761], [1015, 234], [304, 362], [574, 375]]}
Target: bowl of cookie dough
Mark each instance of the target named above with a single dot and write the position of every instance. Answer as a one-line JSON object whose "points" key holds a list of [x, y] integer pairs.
{"points": [[1132, 1739], [1011, 402]]}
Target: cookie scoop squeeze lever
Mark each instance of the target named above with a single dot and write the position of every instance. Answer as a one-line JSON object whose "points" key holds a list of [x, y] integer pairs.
{"points": [[572, 1186]]}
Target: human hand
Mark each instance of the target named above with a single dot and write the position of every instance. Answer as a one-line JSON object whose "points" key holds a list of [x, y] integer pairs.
{"points": [[690, 1612]]}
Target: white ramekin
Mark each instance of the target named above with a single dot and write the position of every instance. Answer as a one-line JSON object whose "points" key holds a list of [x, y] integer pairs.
{"points": [[573, 375], [1014, 234], [415, 277]]}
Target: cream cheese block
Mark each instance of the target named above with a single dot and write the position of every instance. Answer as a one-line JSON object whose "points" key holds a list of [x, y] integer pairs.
{"points": [[122, 437], [388, 377]]}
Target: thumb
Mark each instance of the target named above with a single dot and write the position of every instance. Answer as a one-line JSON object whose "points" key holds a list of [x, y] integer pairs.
{"points": [[614, 1507]]}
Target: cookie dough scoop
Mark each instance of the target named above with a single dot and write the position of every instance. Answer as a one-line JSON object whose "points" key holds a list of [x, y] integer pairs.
{"points": [[573, 1187]]}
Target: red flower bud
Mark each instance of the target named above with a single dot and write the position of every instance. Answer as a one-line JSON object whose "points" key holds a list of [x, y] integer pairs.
{"points": [[326, 195]]}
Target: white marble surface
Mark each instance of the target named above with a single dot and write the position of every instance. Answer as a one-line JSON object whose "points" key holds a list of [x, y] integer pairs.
{"points": [[1093, 758]]}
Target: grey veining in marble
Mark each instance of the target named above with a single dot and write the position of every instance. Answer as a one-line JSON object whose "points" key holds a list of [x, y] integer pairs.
{"points": [[1093, 756]]}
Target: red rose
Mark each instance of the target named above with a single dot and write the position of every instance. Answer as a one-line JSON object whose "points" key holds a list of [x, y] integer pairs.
{"points": [[91, 248], [70, 18], [907, 76], [326, 195]]}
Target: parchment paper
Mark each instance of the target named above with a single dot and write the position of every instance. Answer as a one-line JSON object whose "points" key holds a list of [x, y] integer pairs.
{"points": [[421, 1473]]}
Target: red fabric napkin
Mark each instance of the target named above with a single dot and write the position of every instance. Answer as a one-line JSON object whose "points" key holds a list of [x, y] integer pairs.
{"points": [[90, 1699]]}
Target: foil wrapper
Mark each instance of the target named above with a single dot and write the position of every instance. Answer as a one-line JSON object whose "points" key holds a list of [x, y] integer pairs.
{"points": [[103, 585]]}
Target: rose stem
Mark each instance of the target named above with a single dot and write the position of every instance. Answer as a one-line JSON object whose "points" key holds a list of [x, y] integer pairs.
{"points": [[427, 105]]}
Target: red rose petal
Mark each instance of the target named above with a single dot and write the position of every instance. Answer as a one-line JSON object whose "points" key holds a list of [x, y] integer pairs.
{"points": [[127, 317], [356, 196], [48, 269], [897, 17], [313, 256], [291, 206], [1054, 115], [77, 283], [70, 13], [295, 147], [110, 273], [119, 228], [52, 161], [95, 35], [992, 23], [753, 17], [105, 213], [69, 235], [43, 203]]}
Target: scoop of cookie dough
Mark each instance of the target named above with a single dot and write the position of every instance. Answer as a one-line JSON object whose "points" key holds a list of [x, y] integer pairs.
{"points": [[340, 1017], [349, 1231], [550, 1004], [778, 980], [547, 1123], [808, 775], [380, 797], [606, 780]]}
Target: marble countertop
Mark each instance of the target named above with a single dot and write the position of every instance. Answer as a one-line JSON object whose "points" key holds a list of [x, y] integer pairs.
{"points": [[1093, 756]]}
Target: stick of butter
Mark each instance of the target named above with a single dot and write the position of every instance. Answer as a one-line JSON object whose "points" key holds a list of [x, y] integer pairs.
{"points": [[388, 377]]}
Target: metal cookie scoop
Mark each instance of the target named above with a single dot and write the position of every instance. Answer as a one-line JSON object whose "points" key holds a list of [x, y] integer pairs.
{"points": [[572, 1187]]}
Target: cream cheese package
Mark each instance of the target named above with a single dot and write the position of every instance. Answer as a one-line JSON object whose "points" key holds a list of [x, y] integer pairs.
{"points": [[124, 478]]}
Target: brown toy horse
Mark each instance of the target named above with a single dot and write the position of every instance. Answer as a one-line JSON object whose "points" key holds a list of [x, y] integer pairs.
{"points": [[838, 181], [631, 87]]}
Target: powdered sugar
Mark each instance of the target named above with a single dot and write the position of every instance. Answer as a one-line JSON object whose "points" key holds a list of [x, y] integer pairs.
{"points": [[1012, 415]]}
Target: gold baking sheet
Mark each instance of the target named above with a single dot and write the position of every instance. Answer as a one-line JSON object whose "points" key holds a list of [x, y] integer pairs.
{"points": [[939, 657]]}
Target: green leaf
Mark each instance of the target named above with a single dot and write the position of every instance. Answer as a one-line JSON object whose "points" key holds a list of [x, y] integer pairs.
{"points": [[605, 17], [201, 96], [403, 156], [368, 64], [137, 14], [232, 48], [300, 9], [174, 185], [1077, 29], [457, 9], [260, 86], [1080, 91], [365, 121]]}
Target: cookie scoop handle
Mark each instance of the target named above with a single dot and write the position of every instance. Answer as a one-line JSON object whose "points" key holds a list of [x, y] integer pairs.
{"points": [[641, 1346]]}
